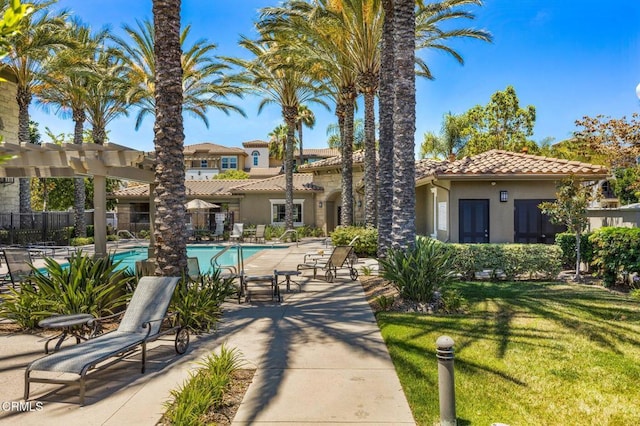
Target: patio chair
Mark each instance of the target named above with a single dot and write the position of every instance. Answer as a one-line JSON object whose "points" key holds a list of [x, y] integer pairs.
{"points": [[18, 262], [236, 233], [259, 235], [193, 269], [140, 324], [341, 257]]}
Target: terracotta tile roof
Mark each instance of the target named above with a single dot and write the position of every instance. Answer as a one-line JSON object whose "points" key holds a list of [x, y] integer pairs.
{"points": [[318, 152], [505, 163], [255, 144], [263, 172], [301, 182], [358, 158], [193, 188], [212, 148]]}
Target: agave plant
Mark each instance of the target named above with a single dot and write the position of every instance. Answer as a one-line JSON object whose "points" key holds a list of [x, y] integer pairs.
{"points": [[418, 271], [85, 285]]}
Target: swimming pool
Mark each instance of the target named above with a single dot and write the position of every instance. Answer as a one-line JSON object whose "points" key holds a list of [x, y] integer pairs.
{"points": [[203, 253]]}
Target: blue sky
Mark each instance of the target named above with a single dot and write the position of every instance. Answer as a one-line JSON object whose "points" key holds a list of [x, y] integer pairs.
{"points": [[568, 58]]}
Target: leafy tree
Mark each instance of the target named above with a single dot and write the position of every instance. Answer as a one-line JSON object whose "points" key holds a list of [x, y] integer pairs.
{"points": [[613, 142], [570, 209], [170, 193], [626, 186], [232, 174], [501, 124]]}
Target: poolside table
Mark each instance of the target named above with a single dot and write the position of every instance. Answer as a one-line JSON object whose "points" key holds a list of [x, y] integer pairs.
{"points": [[287, 275], [70, 325]]}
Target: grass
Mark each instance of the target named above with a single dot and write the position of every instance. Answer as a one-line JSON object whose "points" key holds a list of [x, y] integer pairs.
{"points": [[526, 353]]}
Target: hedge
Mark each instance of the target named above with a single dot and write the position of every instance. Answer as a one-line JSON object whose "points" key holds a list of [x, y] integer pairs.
{"points": [[567, 243], [616, 253], [512, 260], [367, 243]]}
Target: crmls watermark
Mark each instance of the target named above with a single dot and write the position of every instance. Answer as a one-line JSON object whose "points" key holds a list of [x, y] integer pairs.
{"points": [[19, 406]]}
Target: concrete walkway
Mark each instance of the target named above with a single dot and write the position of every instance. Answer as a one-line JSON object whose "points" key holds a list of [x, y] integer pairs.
{"points": [[319, 358]]}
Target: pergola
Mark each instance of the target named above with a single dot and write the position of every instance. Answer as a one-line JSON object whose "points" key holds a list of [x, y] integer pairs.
{"points": [[71, 160]]}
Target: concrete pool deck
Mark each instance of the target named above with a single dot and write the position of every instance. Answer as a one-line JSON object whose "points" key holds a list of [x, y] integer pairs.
{"points": [[319, 358]]}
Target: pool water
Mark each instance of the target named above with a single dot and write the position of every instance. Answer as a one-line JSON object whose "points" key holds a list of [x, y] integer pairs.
{"points": [[203, 253]]}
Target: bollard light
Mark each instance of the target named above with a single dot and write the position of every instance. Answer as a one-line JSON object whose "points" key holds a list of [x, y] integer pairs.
{"points": [[446, 383]]}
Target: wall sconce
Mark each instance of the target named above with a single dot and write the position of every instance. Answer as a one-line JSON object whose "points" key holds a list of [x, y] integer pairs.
{"points": [[504, 196], [320, 204]]}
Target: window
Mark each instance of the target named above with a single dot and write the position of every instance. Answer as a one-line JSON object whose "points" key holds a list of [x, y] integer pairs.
{"points": [[278, 212], [204, 164], [229, 163], [256, 157]]}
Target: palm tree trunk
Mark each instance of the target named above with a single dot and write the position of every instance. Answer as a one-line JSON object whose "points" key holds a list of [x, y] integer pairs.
{"points": [[370, 164], [170, 220], [23, 98], [404, 124], [79, 194], [385, 144], [300, 126], [289, 113]]}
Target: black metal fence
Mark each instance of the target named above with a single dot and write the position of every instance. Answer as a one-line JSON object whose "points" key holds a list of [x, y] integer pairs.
{"points": [[38, 227]]}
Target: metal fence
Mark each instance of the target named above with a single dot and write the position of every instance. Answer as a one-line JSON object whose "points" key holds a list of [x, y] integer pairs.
{"points": [[38, 227]]}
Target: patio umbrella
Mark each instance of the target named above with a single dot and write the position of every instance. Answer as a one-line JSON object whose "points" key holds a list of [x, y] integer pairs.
{"points": [[198, 204]]}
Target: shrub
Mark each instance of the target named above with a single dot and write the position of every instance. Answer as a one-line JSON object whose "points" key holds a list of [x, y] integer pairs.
{"points": [[512, 260], [452, 301], [616, 251], [418, 271], [384, 302], [81, 241], [86, 285], [198, 302], [567, 243], [367, 243], [204, 390]]}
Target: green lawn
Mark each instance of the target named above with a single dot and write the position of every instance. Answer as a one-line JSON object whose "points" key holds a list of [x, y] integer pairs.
{"points": [[526, 354]]}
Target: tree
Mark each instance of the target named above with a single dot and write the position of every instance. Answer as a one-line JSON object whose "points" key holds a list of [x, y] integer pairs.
{"points": [[170, 194], [570, 210], [613, 142], [41, 36], [205, 82], [65, 87], [404, 124], [277, 76], [450, 142], [501, 124], [232, 175], [305, 118], [626, 185], [278, 141], [334, 139], [11, 22]]}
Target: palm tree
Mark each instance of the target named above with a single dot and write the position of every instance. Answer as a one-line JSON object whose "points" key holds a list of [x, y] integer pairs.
{"points": [[204, 83], [316, 35], [170, 245], [334, 139], [385, 144], [305, 118], [41, 36], [278, 141], [277, 77], [64, 87], [404, 124]]}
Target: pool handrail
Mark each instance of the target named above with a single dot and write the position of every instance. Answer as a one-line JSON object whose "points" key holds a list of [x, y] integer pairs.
{"points": [[216, 266]]}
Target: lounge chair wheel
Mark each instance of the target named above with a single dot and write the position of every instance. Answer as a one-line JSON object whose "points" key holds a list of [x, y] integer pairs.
{"points": [[354, 274], [329, 276], [182, 340]]}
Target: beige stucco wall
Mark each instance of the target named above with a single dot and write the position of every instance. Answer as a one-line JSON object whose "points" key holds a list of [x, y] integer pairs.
{"points": [[255, 208], [10, 196], [331, 181], [501, 215], [613, 217]]}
